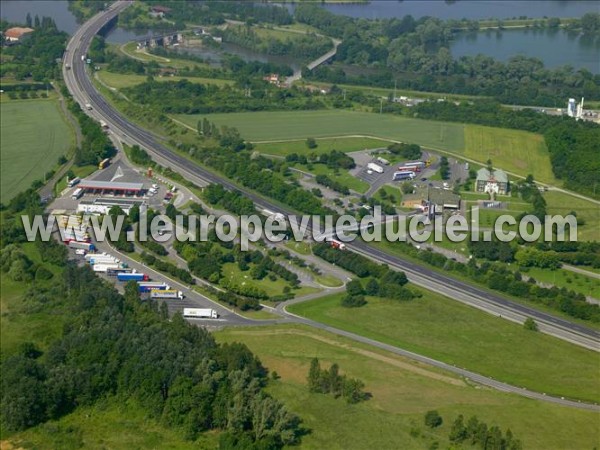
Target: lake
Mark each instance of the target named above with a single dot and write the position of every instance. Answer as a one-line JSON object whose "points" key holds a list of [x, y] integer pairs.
{"points": [[477, 9], [553, 48]]}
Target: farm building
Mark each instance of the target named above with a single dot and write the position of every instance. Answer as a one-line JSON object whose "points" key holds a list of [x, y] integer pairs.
{"points": [[17, 34], [492, 182]]}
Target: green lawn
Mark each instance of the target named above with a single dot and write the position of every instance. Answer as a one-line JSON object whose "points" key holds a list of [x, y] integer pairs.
{"points": [[275, 126], [565, 278], [299, 247], [33, 134], [516, 151], [563, 204], [402, 392], [324, 145], [458, 334], [120, 81]]}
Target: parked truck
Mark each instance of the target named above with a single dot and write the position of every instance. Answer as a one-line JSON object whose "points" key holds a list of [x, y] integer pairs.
{"points": [[132, 277], [74, 181], [148, 286], [103, 268], [374, 167], [200, 313], [383, 161], [87, 246], [167, 293], [113, 272]]}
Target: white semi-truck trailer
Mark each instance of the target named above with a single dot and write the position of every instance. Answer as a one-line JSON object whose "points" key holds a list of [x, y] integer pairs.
{"points": [[200, 313], [167, 293]]}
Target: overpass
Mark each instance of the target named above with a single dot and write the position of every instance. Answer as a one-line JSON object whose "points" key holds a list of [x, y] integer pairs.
{"points": [[82, 89]]}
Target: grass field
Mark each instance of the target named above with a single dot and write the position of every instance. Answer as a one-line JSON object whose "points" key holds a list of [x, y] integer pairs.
{"points": [[561, 203], [110, 423], [324, 145], [457, 334], [120, 80], [565, 278], [402, 392], [273, 126], [33, 135], [512, 150]]}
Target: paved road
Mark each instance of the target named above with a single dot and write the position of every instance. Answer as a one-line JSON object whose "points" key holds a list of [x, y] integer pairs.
{"points": [[82, 89]]}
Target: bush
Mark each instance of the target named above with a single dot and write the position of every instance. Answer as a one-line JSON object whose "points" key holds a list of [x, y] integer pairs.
{"points": [[353, 301], [433, 419]]}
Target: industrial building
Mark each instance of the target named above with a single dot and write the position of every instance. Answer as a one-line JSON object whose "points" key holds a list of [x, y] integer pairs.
{"points": [[492, 182], [103, 205], [111, 187]]}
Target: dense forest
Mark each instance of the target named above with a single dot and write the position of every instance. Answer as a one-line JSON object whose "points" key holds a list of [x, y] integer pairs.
{"points": [[414, 54], [115, 345]]}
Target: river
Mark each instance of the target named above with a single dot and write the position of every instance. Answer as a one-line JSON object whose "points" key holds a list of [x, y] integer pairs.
{"points": [[553, 48]]}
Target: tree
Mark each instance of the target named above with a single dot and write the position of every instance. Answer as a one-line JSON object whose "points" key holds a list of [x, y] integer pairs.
{"points": [[458, 433], [311, 143], [353, 287], [433, 419], [530, 324], [314, 376]]}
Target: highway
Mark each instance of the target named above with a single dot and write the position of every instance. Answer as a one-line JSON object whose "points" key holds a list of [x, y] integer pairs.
{"points": [[82, 89]]}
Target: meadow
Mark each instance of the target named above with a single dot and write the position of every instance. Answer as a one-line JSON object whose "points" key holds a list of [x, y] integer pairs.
{"points": [[324, 145], [120, 80], [402, 391], [512, 150], [33, 135], [458, 334], [563, 204], [290, 125]]}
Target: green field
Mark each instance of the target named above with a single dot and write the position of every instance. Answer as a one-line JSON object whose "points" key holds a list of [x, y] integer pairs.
{"points": [[515, 151], [564, 278], [275, 126], [458, 334], [33, 135], [324, 145], [563, 204], [120, 80], [512, 150], [402, 392]]}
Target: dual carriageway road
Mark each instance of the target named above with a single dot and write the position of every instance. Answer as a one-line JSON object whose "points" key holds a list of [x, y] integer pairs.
{"points": [[80, 85]]}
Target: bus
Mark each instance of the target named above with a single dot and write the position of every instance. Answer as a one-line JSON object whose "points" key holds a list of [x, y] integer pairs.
{"points": [[77, 194], [104, 163], [74, 181]]}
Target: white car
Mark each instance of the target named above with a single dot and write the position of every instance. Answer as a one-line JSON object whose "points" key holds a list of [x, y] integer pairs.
{"points": [[80, 251], [155, 186]]}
